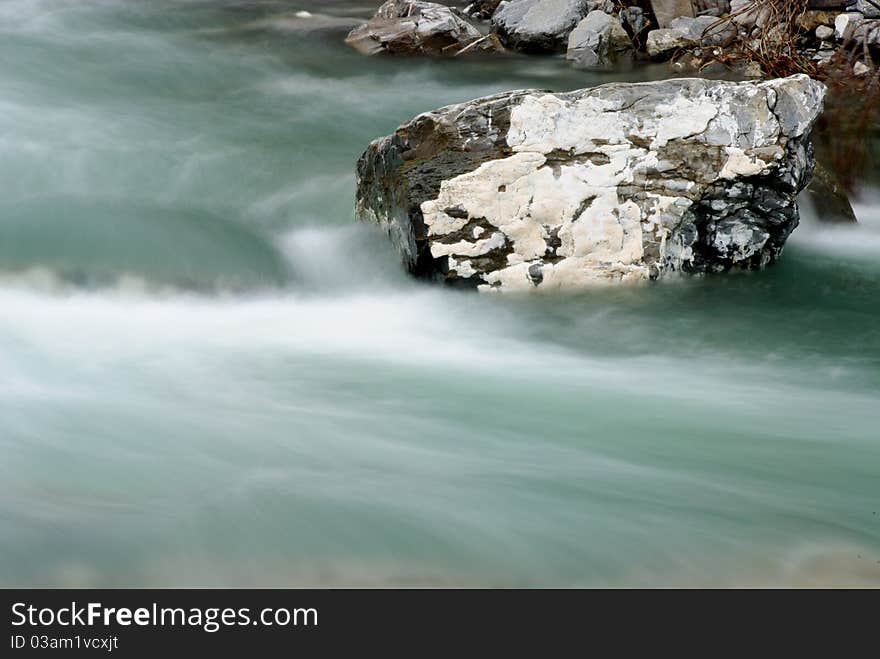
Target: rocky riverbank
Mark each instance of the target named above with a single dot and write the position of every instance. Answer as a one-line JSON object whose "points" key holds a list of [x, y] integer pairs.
{"points": [[755, 37], [719, 197]]}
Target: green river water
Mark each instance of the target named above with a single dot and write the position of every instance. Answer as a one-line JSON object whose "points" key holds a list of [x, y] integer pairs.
{"points": [[210, 375]]}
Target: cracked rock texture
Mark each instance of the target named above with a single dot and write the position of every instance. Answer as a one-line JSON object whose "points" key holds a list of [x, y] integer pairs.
{"points": [[619, 183]]}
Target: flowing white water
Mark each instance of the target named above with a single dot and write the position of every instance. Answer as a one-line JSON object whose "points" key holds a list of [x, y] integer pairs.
{"points": [[209, 375]]}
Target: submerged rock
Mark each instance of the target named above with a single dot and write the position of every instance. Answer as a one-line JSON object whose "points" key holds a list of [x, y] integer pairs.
{"points": [[623, 182], [410, 27], [830, 201], [539, 25]]}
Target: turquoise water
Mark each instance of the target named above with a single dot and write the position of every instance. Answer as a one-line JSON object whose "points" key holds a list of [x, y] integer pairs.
{"points": [[210, 375]]}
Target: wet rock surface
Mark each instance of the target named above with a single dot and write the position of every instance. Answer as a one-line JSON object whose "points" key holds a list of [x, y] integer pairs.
{"points": [[829, 198], [598, 41], [408, 27], [538, 26], [687, 32], [667, 11], [482, 9], [620, 183]]}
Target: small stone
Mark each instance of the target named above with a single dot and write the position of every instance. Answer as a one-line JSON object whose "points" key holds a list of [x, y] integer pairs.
{"points": [[753, 70], [687, 64], [824, 33], [823, 56], [861, 69]]}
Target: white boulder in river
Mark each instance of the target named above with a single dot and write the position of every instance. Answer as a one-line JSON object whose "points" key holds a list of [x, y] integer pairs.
{"points": [[619, 183]]}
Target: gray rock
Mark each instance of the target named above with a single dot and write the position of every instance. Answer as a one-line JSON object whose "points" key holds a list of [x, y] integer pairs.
{"points": [[409, 27], [688, 33], [749, 14], [482, 9], [666, 41], [829, 199], [634, 18], [667, 11], [861, 69], [706, 30], [539, 25], [824, 33], [597, 41], [855, 27], [866, 8], [716, 8], [619, 183], [823, 56]]}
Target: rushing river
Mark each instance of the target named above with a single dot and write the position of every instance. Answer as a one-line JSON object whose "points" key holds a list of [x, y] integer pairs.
{"points": [[210, 375]]}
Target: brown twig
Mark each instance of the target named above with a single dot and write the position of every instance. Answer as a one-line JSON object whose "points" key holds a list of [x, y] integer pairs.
{"points": [[776, 45]]}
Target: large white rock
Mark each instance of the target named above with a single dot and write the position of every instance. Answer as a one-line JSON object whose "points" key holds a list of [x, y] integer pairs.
{"points": [[623, 182]]}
